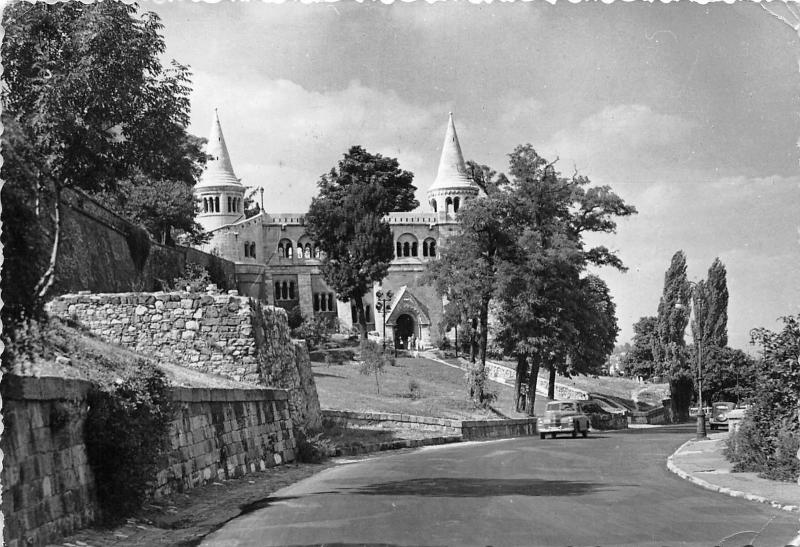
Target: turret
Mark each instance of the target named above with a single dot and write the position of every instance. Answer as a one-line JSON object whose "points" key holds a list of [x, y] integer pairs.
{"points": [[219, 193], [452, 186]]}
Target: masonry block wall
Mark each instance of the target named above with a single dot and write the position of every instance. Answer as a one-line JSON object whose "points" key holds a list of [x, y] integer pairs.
{"points": [[48, 487], [48, 484], [95, 253], [225, 433], [222, 334]]}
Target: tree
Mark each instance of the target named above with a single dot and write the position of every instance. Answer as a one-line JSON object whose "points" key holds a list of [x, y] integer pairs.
{"points": [[669, 348], [251, 206], [86, 104], [728, 374], [714, 330], [347, 220], [639, 361], [374, 361], [596, 325]]}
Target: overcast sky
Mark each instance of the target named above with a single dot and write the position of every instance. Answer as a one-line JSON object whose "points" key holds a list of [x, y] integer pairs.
{"points": [[688, 111]]}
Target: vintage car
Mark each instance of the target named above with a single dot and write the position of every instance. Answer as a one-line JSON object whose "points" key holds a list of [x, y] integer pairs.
{"points": [[719, 414], [563, 417]]}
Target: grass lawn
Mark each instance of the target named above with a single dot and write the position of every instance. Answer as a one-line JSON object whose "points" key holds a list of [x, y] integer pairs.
{"points": [[442, 391]]}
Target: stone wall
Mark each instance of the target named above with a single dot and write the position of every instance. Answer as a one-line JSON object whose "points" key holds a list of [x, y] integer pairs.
{"points": [[507, 375], [97, 253], [49, 487], [214, 333], [224, 433]]}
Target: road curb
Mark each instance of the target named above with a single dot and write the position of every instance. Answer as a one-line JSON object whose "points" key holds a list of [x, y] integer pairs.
{"points": [[673, 467]]}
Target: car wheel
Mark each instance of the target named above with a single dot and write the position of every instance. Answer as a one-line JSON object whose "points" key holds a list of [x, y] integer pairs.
{"points": [[552, 435], [713, 427], [574, 434], [541, 435]]}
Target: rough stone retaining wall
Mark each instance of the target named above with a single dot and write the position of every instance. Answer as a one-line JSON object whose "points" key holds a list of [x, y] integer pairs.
{"points": [[654, 416], [214, 333], [225, 433], [49, 487], [469, 430]]}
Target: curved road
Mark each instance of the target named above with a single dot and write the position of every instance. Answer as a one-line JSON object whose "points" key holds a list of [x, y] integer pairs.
{"points": [[610, 489]]}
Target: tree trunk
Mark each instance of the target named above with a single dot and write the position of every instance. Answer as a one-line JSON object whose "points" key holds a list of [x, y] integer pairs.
{"points": [[46, 281], [483, 339], [533, 378], [551, 384], [519, 381], [362, 320], [473, 341]]}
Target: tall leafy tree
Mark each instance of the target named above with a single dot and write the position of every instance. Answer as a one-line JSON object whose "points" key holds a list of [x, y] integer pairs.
{"points": [[639, 361], [597, 327], [715, 327], [669, 348], [346, 218], [86, 104]]}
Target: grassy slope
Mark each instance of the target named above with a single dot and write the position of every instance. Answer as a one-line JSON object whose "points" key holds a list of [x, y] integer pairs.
{"points": [[443, 392]]}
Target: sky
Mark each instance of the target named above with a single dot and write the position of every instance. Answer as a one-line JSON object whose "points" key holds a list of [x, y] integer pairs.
{"points": [[687, 111]]}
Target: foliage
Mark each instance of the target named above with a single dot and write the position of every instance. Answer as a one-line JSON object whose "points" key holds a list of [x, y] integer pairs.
{"points": [[295, 317], [126, 433], [639, 361], [728, 374], [138, 241], [347, 220], [596, 322], [315, 330], [669, 347], [195, 276], [251, 206], [713, 300], [312, 447], [86, 105], [770, 433], [414, 390], [373, 360], [477, 382]]}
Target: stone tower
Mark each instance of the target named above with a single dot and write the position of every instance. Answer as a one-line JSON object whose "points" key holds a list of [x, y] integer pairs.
{"points": [[452, 185], [219, 193]]}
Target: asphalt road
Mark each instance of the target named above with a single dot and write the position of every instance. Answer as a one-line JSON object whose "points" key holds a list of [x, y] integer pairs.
{"points": [[610, 489]]}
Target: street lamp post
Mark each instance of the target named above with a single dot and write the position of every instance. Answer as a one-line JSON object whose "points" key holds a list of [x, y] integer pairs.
{"points": [[698, 342], [383, 303]]}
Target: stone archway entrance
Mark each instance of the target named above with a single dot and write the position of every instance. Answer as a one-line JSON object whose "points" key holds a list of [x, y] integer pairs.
{"points": [[403, 331]]}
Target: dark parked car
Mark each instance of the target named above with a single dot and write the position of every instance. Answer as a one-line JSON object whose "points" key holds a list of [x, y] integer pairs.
{"points": [[719, 414]]}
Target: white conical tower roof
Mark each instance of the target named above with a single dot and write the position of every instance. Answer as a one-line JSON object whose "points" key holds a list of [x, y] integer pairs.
{"points": [[452, 171], [218, 170]]}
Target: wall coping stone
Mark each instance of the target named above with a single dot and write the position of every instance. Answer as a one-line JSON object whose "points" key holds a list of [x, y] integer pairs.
{"points": [[220, 395], [43, 388]]}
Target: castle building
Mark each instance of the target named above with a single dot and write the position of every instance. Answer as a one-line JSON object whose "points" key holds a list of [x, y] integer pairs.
{"points": [[278, 263]]}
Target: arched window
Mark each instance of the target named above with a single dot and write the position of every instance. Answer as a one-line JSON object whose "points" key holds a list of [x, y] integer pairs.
{"points": [[425, 248], [284, 291], [291, 290], [414, 249], [323, 302], [316, 252], [289, 251], [432, 248], [246, 249], [316, 301], [205, 205], [253, 249], [277, 290], [448, 205], [406, 249], [399, 249], [307, 251], [456, 203], [433, 205], [216, 204], [299, 251], [230, 204], [330, 302], [281, 251]]}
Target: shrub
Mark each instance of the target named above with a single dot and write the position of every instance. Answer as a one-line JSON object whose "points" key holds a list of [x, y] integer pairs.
{"points": [[315, 330], [414, 390], [374, 360], [126, 432], [312, 448], [477, 383], [195, 277]]}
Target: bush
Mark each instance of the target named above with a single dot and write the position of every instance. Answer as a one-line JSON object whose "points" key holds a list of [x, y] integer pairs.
{"points": [[477, 383], [195, 277], [315, 330], [414, 390], [312, 448], [127, 431], [373, 360]]}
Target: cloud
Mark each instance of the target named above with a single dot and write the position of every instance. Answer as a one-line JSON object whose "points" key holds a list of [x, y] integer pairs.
{"points": [[630, 135], [300, 133]]}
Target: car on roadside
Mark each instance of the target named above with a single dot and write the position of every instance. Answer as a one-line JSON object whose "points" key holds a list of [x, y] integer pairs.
{"points": [[719, 414], [563, 417]]}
